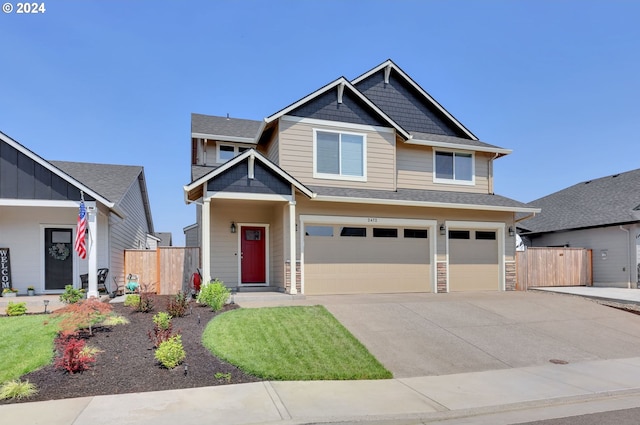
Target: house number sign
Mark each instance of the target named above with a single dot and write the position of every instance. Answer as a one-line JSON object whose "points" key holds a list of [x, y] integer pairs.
{"points": [[5, 268]]}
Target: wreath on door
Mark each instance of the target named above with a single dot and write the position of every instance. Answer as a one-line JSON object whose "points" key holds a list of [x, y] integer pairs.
{"points": [[59, 251]]}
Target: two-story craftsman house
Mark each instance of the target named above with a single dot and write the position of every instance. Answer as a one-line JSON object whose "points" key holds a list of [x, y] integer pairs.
{"points": [[366, 186]]}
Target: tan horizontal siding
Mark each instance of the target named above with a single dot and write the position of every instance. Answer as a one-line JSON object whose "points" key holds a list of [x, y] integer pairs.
{"points": [[296, 156], [415, 170]]}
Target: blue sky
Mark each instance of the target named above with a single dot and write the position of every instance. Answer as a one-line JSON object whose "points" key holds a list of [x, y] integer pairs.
{"points": [[116, 81]]}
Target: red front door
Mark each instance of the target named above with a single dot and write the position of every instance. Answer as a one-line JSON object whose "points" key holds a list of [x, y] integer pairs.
{"points": [[253, 254]]}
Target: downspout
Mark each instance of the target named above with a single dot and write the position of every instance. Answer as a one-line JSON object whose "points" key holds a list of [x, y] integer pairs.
{"points": [[496, 156], [628, 232]]}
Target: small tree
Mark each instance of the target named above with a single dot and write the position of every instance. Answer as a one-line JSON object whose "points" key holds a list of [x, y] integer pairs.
{"points": [[83, 315]]}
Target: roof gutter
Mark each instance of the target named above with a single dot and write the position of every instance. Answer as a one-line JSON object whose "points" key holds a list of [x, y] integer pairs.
{"points": [[526, 217]]}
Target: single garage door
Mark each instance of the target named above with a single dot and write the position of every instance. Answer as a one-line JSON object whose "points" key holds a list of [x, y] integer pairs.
{"points": [[473, 260], [365, 259]]}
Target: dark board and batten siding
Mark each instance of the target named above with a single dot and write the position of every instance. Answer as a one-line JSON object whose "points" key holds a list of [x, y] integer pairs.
{"points": [[351, 110], [235, 179], [23, 178], [401, 102]]}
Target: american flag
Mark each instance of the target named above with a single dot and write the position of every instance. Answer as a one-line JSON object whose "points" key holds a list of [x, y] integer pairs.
{"points": [[82, 225]]}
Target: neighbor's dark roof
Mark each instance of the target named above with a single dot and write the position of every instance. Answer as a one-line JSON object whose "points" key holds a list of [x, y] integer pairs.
{"points": [[223, 126], [435, 196], [601, 202], [110, 181]]}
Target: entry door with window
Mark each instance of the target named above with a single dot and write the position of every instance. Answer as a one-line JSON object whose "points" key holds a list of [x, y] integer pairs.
{"points": [[252, 255], [58, 258]]}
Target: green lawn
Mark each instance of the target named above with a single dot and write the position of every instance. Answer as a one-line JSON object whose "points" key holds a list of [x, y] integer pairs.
{"points": [[290, 343], [26, 344]]}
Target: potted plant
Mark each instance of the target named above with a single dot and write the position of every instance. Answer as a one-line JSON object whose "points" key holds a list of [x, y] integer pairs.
{"points": [[31, 291], [9, 292]]}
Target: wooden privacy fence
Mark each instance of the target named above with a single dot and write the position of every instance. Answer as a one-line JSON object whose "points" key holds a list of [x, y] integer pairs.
{"points": [[554, 267], [165, 271]]}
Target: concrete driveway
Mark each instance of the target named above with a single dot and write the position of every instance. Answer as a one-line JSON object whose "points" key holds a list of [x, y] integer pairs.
{"points": [[439, 334]]}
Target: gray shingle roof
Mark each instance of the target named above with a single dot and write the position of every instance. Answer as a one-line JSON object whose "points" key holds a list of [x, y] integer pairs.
{"points": [[110, 181], [432, 196], [451, 139], [198, 171], [605, 201], [223, 126]]}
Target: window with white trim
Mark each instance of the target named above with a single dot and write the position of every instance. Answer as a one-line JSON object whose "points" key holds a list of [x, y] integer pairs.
{"points": [[339, 155], [225, 152], [453, 167]]}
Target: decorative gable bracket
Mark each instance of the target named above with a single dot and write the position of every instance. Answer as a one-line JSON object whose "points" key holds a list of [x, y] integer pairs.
{"points": [[340, 92]]}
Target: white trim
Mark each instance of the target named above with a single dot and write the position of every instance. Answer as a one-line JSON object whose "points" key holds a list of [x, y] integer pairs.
{"points": [[218, 137], [416, 87], [190, 227], [458, 146], [430, 225], [267, 253], [340, 176], [248, 196], [38, 203], [330, 86], [337, 124], [373, 201], [55, 170], [499, 227], [455, 181]]}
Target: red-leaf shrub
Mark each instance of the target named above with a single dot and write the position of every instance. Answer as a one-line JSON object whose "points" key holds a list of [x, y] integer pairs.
{"points": [[71, 354], [83, 315]]}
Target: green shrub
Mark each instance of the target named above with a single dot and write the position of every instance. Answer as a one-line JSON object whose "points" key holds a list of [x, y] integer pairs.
{"points": [[16, 309], [162, 320], [170, 353], [214, 294], [17, 389], [132, 300], [71, 295]]}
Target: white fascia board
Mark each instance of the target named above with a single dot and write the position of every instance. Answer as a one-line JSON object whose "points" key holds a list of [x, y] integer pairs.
{"points": [[250, 140], [190, 227], [248, 196], [337, 124], [366, 221], [38, 203], [55, 170], [459, 146], [418, 88], [422, 204]]}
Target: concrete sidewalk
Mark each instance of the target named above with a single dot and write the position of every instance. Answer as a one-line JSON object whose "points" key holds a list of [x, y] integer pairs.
{"points": [[506, 394]]}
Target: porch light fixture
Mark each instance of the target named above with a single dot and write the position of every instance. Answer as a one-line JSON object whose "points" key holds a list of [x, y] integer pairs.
{"points": [[233, 227], [46, 303], [443, 231], [511, 232]]}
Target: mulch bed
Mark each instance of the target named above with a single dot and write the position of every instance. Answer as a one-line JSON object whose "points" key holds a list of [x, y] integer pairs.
{"points": [[127, 364]]}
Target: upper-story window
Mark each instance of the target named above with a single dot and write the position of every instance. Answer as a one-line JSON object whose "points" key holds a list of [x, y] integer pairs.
{"points": [[339, 155], [227, 152], [453, 167]]}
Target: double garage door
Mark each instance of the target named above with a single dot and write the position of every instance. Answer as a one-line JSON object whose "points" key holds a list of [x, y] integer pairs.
{"points": [[357, 259], [361, 259]]}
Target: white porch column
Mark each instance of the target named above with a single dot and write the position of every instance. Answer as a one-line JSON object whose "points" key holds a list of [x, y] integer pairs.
{"points": [[292, 247], [92, 250], [206, 241]]}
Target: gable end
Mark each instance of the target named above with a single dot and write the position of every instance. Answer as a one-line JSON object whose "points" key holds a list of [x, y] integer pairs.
{"points": [[405, 106], [23, 178], [236, 179], [351, 110]]}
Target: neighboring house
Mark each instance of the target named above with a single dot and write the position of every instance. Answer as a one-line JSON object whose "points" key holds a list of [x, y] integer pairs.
{"points": [[39, 204], [164, 238], [367, 186], [602, 215]]}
